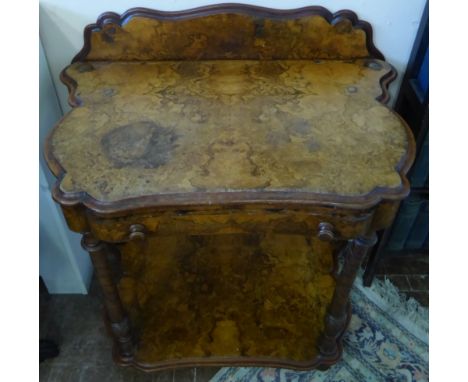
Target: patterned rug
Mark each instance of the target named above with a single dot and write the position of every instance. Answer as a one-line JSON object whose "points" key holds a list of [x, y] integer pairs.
{"points": [[387, 340]]}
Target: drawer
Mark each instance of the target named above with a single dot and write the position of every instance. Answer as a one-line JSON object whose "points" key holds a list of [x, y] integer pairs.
{"points": [[327, 222]]}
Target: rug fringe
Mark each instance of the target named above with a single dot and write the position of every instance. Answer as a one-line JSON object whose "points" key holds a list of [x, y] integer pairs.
{"points": [[407, 311]]}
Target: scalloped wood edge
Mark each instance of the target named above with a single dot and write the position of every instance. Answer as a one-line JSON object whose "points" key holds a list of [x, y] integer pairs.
{"points": [[194, 199], [277, 198], [252, 10], [233, 198]]}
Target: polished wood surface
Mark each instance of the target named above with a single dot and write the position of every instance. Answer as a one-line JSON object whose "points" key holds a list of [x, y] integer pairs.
{"points": [[228, 157], [228, 31], [245, 295], [307, 126]]}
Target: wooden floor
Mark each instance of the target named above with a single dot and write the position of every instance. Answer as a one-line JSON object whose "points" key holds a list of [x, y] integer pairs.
{"points": [[410, 274]]}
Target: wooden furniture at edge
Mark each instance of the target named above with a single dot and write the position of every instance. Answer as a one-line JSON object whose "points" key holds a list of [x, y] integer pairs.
{"points": [[228, 157]]}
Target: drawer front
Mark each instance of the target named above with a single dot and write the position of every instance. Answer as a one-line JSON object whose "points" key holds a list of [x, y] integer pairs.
{"points": [[329, 224]]}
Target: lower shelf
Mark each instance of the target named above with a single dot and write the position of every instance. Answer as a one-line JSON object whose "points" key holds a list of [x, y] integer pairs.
{"points": [[227, 299]]}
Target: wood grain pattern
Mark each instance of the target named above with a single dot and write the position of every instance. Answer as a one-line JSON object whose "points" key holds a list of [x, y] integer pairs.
{"points": [[116, 315], [228, 31], [346, 224], [311, 127], [228, 154], [231, 295]]}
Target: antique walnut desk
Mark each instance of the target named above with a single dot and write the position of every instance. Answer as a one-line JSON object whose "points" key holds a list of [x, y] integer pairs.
{"points": [[228, 157]]}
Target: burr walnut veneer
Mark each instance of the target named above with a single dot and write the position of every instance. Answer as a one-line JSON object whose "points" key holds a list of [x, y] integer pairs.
{"points": [[227, 157]]}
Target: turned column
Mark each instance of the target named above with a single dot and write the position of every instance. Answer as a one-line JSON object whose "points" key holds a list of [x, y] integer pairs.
{"points": [[337, 314], [115, 312]]}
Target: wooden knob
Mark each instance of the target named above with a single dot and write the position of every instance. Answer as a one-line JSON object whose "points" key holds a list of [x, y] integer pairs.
{"points": [[137, 232], [326, 232]]}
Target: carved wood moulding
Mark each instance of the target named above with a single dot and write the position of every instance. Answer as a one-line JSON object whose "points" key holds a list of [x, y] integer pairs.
{"points": [[232, 31]]}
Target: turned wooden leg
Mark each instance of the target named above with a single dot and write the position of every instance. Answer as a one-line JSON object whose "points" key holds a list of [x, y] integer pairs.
{"points": [[375, 257], [337, 314], [115, 313]]}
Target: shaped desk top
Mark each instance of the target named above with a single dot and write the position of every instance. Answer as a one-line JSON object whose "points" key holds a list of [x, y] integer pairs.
{"points": [[207, 131]]}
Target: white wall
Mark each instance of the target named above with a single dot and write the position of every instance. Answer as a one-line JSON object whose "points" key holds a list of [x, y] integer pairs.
{"points": [[64, 266], [395, 24]]}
